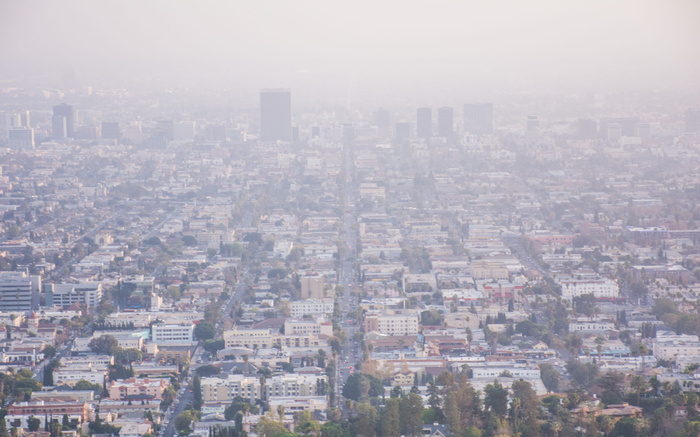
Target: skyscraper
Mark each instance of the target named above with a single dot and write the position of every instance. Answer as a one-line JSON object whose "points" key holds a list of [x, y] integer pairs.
{"points": [[383, 123], [59, 129], [275, 115], [446, 122], [403, 131], [111, 130], [68, 114], [692, 120], [424, 123], [21, 138], [478, 118]]}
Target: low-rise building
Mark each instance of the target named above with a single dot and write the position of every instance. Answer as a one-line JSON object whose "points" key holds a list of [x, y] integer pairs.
{"points": [[137, 389]]}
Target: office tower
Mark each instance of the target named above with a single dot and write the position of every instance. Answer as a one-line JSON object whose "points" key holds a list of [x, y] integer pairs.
{"points": [[184, 131], [403, 131], [383, 121], [628, 126], [19, 291], [166, 129], [111, 130], [478, 118], [348, 134], [68, 113], [215, 132], [532, 125], [275, 115], [644, 132], [445, 122], [25, 119], [21, 138], [692, 120], [59, 129], [133, 133], [424, 123], [586, 129], [614, 131], [315, 131]]}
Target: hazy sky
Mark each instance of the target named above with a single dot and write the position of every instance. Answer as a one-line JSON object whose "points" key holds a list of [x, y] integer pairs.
{"points": [[372, 44]]}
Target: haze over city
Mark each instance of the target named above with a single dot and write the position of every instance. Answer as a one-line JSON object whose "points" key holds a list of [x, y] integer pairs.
{"points": [[398, 49], [339, 219]]}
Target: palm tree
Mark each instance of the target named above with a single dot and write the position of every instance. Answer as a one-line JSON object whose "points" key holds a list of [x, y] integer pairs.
{"points": [[639, 384], [555, 427], [280, 412], [643, 351], [606, 424], [245, 360]]}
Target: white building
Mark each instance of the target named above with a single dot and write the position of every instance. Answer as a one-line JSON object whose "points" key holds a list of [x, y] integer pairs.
{"points": [[310, 307], [599, 287], [308, 327], [589, 325], [64, 295], [668, 347], [172, 332], [19, 291]]}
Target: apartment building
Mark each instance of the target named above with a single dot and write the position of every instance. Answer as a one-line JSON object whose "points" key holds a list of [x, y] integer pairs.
{"points": [[310, 307], [172, 332]]}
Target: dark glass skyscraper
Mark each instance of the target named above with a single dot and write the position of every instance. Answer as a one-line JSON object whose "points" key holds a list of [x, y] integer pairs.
{"points": [[424, 123], [445, 122], [68, 114], [478, 118], [275, 115]]}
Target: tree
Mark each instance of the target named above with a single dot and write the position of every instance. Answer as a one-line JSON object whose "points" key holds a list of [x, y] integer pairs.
{"points": [[105, 344], [585, 304], [189, 240], [305, 425], [207, 370], [611, 384], [238, 404], [87, 385], [185, 419], [410, 414], [65, 422], [496, 399], [431, 317], [639, 384], [625, 427], [550, 377], [49, 351], [204, 331], [524, 409], [360, 384], [365, 421], [214, 346], [127, 356], [664, 305], [33, 423], [390, 422]]}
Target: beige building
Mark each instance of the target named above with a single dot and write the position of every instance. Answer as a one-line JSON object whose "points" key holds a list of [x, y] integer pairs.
{"points": [[313, 287], [223, 390], [137, 388], [266, 339], [483, 269], [399, 322]]}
